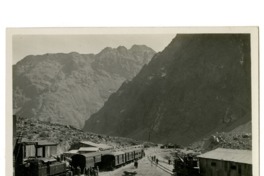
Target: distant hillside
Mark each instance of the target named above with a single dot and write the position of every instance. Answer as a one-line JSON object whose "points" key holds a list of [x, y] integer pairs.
{"points": [[65, 136], [68, 88], [238, 138], [200, 84]]}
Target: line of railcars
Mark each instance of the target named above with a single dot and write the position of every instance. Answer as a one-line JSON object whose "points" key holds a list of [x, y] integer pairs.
{"points": [[106, 160]]}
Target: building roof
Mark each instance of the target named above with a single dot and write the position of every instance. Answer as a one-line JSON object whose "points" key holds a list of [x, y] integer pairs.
{"points": [[238, 156], [100, 146], [91, 154], [88, 149], [39, 143], [88, 143], [118, 153], [46, 143], [72, 151]]}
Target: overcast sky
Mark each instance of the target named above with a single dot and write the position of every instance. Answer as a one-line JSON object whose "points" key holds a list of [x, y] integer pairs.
{"points": [[24, 45]]}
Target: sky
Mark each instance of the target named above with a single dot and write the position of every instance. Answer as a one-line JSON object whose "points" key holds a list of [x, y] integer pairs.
{"points": [[24, 45]]}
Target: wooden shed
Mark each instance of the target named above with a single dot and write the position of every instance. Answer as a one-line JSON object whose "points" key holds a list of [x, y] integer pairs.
{"points": [[226, 162]]}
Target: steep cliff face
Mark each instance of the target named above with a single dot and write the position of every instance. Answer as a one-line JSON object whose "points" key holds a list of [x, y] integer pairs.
{"points": [[198, 85], [68, 88]]}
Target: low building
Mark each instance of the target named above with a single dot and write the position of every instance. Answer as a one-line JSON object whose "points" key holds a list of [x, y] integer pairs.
{"points": [[101, 147], [226, 162]]}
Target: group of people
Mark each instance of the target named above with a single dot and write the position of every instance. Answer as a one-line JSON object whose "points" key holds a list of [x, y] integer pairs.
{"points": [[154, 159], [87, 172]]}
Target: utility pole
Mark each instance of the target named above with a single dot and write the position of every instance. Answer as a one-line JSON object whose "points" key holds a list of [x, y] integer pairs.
{"points": [[149, 135]]}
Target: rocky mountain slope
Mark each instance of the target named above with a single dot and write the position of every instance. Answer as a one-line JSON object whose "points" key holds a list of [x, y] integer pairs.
{"points": [[68, 88], [198, 85], [238, 138], [65, 136]]}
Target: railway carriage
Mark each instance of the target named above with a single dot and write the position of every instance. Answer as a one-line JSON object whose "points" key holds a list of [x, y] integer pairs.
{"points": [[130, 155], [85, 161], [137, 154], [112, 160]]}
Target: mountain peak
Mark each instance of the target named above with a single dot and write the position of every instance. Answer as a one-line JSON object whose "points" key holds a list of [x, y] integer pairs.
{"points": [[68, 87], [121, 48], [192, 88], [140, 47]]}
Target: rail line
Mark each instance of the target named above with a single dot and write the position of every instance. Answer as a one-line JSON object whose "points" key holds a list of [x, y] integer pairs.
{"points": [[161, 167]]}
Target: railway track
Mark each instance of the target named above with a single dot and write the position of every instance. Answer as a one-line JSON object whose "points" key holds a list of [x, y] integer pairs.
{"points": [[161, 167]]}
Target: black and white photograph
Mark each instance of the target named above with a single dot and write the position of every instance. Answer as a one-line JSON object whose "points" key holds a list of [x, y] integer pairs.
{"points": [[133, 101]]}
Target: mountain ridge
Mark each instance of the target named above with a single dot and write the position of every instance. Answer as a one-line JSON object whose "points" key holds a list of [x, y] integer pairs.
{"points": [[67, 87], [199, 76]]}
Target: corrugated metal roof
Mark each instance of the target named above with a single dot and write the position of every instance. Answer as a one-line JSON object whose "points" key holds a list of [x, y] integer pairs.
{"points": [[40, 143], [72, 151], [88, 149], [46, 143], [238, 156], [104, 146], [113, 153], [91, 154], [100, 146], [89, 143]]}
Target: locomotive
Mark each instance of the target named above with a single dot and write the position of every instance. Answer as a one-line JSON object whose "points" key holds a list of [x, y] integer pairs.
{"points": [[35, 165], [186, 166], [34, 158]]}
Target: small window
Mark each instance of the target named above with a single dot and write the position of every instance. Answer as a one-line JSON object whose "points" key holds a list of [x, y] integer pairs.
{"points": [[213, 164], [233, 167]]}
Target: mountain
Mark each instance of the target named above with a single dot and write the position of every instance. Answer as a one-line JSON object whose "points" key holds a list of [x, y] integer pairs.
{"points": [[238, 138], [68, 88], [198, 85], [66, 136]]}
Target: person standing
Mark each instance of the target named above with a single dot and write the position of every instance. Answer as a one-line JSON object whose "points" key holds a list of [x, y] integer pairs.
{"points": [[157, 161], [97, 169], [91, 171], [88, 172], [78, 171]]}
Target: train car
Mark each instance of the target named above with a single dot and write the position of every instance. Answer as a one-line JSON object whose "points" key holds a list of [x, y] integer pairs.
{"points": [[138, 153], [129, 155], [112, 160], [42, 167], [85, 161]]}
